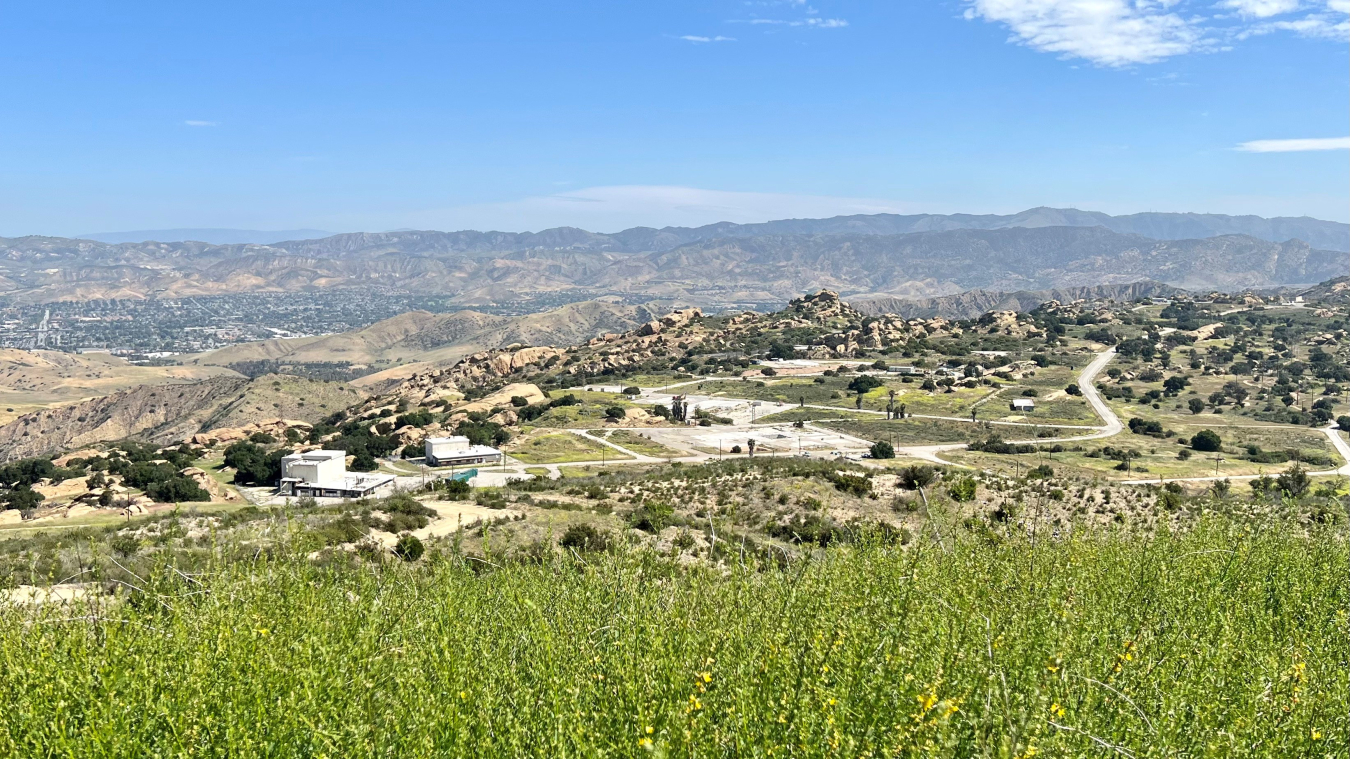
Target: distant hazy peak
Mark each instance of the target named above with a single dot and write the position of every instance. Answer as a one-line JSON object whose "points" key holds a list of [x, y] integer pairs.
{"points": [[213, 236], [1327, 235]]}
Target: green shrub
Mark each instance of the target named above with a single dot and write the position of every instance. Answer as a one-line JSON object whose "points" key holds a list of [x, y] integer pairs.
{"points": [[177, 489], [583, 538], [651, 516], [1207, 441], [344, 529], [124, 545], [916, 476], [409, 548], [962, 489]]}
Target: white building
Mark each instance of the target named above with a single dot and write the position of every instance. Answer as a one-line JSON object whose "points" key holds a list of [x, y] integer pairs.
{"points": [[1023, 404], [323, 474], [456, 450]]}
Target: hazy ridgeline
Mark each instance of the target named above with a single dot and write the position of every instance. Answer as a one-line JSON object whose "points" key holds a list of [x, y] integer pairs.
{"points": [[1225, 640]]}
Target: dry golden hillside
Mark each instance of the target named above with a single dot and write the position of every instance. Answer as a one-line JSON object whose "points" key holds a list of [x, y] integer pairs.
{"points": [[38, 379], [430, 339]]}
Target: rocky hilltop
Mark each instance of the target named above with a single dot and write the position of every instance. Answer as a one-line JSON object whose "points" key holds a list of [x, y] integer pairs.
{"points": [[834, 328], [970, 304]]}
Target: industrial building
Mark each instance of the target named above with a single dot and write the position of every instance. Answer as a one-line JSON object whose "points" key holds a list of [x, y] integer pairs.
{"points": [[323, 474], [456, 450]]}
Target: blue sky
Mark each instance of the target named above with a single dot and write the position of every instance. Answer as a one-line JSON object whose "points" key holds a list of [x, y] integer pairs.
{"points": [[524, 115]]}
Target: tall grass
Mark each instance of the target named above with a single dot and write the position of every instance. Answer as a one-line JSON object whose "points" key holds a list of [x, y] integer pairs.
{"points": [[1222, 641]]}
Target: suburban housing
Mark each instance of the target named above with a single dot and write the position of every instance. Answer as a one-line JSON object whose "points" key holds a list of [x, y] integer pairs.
{"points": [[456, 450], [323, 474]]}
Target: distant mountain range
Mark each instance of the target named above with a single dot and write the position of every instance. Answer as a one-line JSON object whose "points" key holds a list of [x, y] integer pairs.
{"points": [[920, 256], [213, 236]]}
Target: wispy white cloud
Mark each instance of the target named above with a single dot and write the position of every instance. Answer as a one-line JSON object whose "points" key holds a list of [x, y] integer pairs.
{"points": [[195, 123], [1296, 145], [1106, 32], [1332, 23], [1261, 8], [700, 40], [1130, 32], [819, 23]]}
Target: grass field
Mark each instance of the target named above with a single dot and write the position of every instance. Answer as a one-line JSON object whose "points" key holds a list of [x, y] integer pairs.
{"points": [[633, 441], [558, 448], [909, 431], [811, 415], [1156, 459], [1227, 640], [589, 413]]}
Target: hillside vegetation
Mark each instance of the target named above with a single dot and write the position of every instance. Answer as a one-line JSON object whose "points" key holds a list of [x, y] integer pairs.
{"points": [[1223, 640]]}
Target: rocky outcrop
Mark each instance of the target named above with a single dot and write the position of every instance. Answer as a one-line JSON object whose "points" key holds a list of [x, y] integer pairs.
{"points": [[1007, 323], [502, 398], [208, 483], [225, 435]]}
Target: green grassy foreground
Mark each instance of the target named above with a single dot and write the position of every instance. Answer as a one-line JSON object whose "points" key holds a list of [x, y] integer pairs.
{"points": [[1226, 640]]}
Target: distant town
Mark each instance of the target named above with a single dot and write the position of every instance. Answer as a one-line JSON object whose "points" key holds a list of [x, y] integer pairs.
{"points": [[155, 329]]}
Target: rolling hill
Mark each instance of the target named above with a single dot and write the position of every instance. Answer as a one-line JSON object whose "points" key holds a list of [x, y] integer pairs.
{"points": [[36, 379], [169, 414], [423, 339]]}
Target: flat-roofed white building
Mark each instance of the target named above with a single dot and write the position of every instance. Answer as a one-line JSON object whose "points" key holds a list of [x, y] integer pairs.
{"points": [[323, 474], [1023, 404], [456, 450]]}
